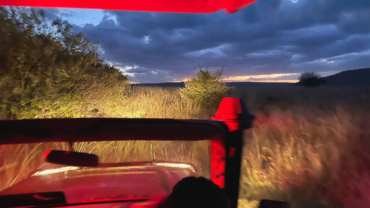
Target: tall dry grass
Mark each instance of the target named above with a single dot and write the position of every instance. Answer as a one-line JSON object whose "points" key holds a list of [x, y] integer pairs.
{"points": [[141, 102], [111, 102], [308, 146]]}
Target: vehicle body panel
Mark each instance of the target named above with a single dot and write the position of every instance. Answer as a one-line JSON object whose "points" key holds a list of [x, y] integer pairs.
{"points": [[86, 184]]}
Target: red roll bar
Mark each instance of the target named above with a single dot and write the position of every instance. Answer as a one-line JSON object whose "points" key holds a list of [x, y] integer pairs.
{"points": [[178, 6]]}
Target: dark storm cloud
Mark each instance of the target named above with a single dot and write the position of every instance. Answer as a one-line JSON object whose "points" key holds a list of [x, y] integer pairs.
{"points": [[53, 14], [50, 13], [140, 24], [67, 13], [270, 36]]}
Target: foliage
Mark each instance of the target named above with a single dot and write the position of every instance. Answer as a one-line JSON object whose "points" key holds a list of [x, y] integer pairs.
{"points": [[205, 88], [310, 79], [308, 146], [307, 75], [43, 61]]}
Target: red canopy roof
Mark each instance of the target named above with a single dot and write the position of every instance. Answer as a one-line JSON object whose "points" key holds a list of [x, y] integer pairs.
{"points": [[178, 6]]}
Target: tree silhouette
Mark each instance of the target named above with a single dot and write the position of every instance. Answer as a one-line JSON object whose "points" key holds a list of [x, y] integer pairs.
{"points": [[310, 79]]}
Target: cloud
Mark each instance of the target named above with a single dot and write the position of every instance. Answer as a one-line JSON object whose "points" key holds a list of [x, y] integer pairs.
{"points": [[78, 17], [68, 13], [269, 37]]}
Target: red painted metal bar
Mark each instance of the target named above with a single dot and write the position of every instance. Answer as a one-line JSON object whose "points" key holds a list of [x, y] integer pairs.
{"points": [[178, 6], [108, 129], [235, 114], [218, 163]]}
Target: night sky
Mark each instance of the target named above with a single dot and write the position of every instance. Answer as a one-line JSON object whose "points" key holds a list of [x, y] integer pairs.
{"points": [[271, 40]]}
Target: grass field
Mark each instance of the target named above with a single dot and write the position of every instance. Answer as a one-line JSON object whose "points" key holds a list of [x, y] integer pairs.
{"points": [[309, 146]]}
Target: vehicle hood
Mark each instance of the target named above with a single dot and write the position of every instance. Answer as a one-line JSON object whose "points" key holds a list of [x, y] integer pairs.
{"points": [[81, 184]]}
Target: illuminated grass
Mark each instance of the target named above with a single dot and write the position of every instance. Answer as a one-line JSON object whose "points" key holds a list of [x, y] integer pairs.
{"points": [[323, 160], [308, 146]]}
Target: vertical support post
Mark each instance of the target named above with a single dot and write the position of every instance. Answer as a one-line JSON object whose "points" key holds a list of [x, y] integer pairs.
{"points": [[218, 155], [235, 114], [234, 152]]}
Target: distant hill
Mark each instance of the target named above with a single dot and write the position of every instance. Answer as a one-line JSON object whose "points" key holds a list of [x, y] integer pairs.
{"points": [[233, 84], [350, 78], [257, 84]]}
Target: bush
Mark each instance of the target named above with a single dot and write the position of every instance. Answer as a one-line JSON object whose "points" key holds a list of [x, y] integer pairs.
{"points": [[206, 88], [43, 63], [310, 79]]}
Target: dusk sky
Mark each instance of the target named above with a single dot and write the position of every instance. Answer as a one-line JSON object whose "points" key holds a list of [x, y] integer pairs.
{"points": [[269, 41]]}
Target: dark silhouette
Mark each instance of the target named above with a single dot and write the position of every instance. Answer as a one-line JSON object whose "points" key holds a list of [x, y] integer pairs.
{"points": [[310, 79], [197, 193], [350, 78]]}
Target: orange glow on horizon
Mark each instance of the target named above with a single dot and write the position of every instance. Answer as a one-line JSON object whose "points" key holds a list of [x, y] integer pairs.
{"points": [[251, 78], [277, 81], [262, 78]]}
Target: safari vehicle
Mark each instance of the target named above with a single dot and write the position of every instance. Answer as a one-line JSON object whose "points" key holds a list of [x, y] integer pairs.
{"points": [[77, 179]]}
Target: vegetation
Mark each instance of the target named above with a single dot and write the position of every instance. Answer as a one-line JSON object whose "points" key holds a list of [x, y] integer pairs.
{"points": [[45, 67], [205, 88], [307, 146], [310, 79]]}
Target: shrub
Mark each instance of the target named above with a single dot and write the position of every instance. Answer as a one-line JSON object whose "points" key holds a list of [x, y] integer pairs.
{"points": [[205, 88], [44, 62], [310, 79]]}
